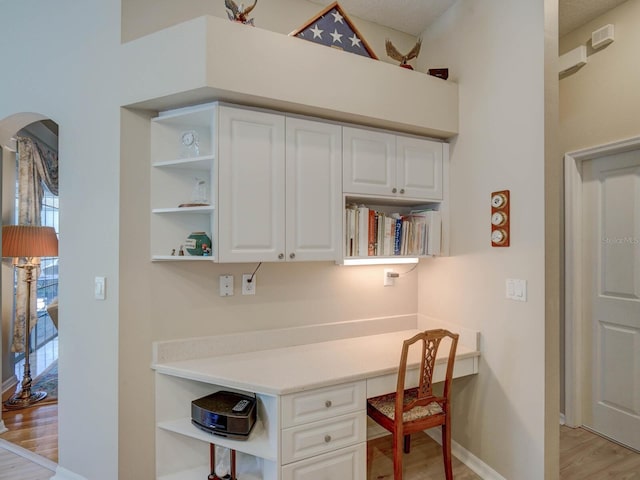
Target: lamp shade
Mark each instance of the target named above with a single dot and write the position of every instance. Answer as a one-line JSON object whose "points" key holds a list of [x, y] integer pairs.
{"points": [[29, 241]]}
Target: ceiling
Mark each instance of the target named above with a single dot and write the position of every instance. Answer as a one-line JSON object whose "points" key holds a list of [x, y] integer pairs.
{"points": [[414, 16]]}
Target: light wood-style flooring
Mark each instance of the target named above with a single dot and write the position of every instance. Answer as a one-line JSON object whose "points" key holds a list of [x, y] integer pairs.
{"points": [[583, 455], [19, 464], [34, 428]]}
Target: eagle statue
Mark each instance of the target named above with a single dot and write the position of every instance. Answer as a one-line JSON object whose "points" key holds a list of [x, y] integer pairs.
{"points": [[393, 52], [239, 13]]}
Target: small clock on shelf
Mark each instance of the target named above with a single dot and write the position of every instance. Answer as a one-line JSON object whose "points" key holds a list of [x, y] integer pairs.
{"points": [[189, 146]]}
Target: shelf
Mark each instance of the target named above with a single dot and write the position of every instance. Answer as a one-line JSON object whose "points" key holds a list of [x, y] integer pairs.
{"points": [[202, 162], [177, 66], [182, 258], [257, 444], [204, 209]]}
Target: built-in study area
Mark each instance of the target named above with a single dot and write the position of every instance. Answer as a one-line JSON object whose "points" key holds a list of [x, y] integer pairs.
{"points": [[267, 174]]}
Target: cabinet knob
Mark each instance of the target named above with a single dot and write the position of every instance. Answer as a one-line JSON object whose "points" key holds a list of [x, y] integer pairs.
{"points": [[292, 255], [394, 190], [281, 256], [402, 190], [327, 438], [327, 403]]}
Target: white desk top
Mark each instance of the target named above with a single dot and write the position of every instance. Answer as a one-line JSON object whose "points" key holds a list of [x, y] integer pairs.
{"points": [[286, 370]]}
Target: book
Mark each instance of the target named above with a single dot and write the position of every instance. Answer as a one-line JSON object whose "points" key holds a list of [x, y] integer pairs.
{"points": [[349, 228], [434, 234], [372, 233], [389, 233], [430, 222], [363, 232], [397, 235]]}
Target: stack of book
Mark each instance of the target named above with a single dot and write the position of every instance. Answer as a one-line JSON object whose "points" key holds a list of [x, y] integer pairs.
{"points": [[369, 232]]}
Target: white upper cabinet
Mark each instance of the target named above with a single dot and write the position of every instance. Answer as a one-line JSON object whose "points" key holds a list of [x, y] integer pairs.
{"points": [[279, 188], [419, 168], [313, 190], [251, 193], [369, 161], [384, 164]]}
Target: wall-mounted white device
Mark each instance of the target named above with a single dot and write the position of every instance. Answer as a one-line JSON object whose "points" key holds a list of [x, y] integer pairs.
{"points": [[226, 285], [572, 60], [602, 36]]}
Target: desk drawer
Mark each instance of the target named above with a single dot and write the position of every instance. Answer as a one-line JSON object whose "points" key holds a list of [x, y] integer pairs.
{"points": [[304, 407], [345, 464], [320, 437]]}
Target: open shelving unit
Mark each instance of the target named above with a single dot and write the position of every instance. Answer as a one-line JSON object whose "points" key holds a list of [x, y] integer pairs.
{"points": [[175, 170]]}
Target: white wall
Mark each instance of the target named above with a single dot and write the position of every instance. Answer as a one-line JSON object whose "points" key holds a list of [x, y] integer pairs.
{"points": [[63, 61], [599, 103], [495, 51]]}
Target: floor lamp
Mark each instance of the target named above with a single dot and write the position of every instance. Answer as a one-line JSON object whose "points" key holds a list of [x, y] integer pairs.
{"points": [[26, 244]]}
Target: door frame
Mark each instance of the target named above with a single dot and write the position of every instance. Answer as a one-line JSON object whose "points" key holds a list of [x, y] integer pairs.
{"points": [[574, 328]]}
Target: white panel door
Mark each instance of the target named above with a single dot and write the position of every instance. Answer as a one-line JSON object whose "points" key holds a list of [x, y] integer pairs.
{"points": [[369, 162], [251, 186], [313, 190], [419, 168], [611, 293]]}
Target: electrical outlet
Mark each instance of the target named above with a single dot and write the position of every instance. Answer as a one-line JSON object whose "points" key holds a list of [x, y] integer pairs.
{"points": [[248, 287], [226, 285], [389, 277]]}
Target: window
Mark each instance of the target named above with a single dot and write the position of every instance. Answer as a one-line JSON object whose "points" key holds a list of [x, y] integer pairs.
{"points": [[44, 337]]}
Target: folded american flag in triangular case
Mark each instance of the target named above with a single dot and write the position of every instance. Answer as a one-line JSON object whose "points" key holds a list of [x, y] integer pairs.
{"points": [[332, 27]]}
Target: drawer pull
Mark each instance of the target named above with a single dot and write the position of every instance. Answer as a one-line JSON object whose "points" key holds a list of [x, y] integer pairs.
{"points": [[327, 403], [327, 438]]}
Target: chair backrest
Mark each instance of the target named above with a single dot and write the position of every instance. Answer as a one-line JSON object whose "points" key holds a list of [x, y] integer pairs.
{"points": [[430, 343]]}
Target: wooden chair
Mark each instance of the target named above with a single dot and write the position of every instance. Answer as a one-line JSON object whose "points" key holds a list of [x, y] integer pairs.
{"points": [[404, 412]]}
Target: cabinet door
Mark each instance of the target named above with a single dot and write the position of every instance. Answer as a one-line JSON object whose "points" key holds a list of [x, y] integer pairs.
{"points": [[368, 162], [419, 168], [313, 190], [250, 186]]}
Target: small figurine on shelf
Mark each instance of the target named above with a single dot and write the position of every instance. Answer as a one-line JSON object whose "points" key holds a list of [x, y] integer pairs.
{"points": [[181, 251], [173, 252], [199, 194], [239, 13], [393, 52], [206, 251]]}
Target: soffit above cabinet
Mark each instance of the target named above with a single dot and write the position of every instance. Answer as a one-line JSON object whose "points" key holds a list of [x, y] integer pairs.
{"points": [[210, 58]]}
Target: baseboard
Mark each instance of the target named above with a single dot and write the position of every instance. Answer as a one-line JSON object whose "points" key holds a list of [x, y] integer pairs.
{"points": [[3, 427], [29, 455], [563, 419], [9, 383], [483, 470], [64, 474]]}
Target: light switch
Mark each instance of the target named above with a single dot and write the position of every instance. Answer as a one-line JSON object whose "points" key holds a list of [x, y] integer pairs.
{"points": [[99, 288], [516, 289]]}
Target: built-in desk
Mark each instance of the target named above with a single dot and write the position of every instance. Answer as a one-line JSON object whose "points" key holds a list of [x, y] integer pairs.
{"points": [[311, 404]]}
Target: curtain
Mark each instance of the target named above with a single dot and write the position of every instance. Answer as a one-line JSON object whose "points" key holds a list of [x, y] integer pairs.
{"points": [[36, 166]]}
